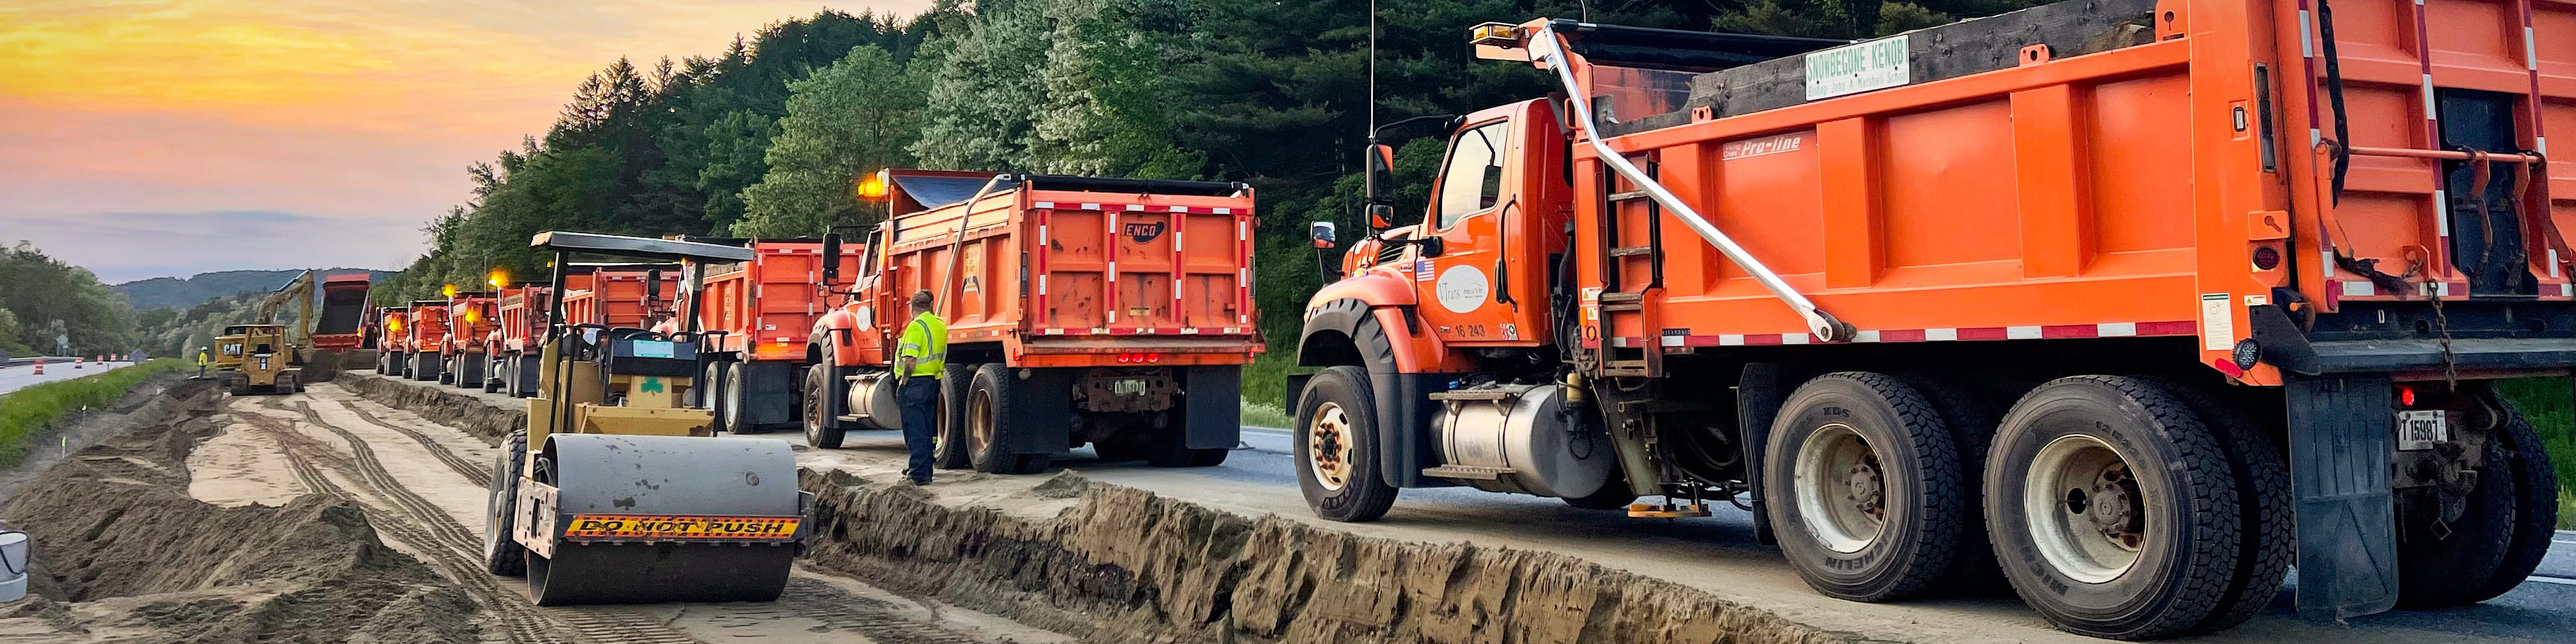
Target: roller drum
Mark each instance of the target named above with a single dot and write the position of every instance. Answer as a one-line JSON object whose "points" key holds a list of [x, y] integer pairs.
{"points": [[622, 474]]}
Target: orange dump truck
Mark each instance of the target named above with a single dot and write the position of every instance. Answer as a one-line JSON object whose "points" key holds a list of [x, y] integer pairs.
{"points": [[515, 342], [344, 307], [1114, 312], [424, 330], [757, 314], [622, 297], [472, 317], [2157, 298], [392, 340]]}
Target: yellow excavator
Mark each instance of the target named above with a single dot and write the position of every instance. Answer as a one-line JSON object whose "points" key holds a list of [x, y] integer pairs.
{"points": [[617, 491]]}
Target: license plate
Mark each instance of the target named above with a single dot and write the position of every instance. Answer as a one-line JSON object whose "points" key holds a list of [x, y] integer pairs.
{"points": [[611, 526], [2421, 429], [1128, 387]]}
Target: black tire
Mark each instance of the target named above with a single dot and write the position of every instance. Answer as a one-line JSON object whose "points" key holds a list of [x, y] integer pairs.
{"points": [[1355, 492], [821, 387], [2180, 501], [2446, 564], [2265, 507], [503, 555], [295, 383], [1878, 436], [446, 370], [711, 395], [1969, 411], [990, 424], [2535, 508], [951, 451], [493, 372], [733, 401]]}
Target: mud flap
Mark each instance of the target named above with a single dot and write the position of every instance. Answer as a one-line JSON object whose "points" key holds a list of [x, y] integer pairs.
{"points": [[1043, 403], [767, 397], [1213, 415], [1757, 404], [1404, 420], [2340, 435]]}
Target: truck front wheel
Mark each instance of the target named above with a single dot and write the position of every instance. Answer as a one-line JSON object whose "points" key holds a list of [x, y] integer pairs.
{"points": [[1336, 446], [1865, 483], [2113, 509], [820, 388]]}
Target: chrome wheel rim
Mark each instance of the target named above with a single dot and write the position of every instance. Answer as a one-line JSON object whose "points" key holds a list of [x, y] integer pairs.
{"points": [[1328, 446], [2084, 509], [1841, 488]]}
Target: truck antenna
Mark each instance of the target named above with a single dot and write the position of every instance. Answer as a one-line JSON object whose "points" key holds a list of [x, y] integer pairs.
{"points": [[1372, 73]]}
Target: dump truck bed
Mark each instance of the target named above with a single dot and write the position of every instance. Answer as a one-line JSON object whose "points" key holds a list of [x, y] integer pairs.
{"points": [[614, 298], [1069, 271], [766, 306], [2126, 184]]}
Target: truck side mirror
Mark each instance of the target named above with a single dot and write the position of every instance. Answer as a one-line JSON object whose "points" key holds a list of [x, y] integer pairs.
{"points": [[653, 285], [831, 258], [1380, 179], [1322, 231], [1381, 216]]}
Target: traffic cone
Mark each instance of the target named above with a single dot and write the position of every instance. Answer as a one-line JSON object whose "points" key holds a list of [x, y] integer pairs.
{"points": [[40, 366]]}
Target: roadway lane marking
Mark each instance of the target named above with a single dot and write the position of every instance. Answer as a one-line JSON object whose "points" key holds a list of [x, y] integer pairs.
{"points": [[2552, 580], [2563, 542]]}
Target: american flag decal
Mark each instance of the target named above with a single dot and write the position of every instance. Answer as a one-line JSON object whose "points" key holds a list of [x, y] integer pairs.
{"points": [[1421, 270]]}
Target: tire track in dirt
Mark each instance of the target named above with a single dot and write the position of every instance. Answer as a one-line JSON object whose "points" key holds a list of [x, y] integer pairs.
{"points": [[454, 550], [473, 472]]}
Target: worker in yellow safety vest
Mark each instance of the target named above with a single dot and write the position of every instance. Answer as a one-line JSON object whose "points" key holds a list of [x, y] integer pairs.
{"points": [[919, 357], [203, 357]]}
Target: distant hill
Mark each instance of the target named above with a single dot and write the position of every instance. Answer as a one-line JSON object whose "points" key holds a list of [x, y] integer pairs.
{"points": [[175, 293]]}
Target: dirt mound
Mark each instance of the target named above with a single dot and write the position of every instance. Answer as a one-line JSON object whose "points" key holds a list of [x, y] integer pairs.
{"points": [[122, 549], [450, 407], [1126, 564]]}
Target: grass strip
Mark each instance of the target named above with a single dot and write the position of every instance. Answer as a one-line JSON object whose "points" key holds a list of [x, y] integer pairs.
{"points": [[26, 412]]}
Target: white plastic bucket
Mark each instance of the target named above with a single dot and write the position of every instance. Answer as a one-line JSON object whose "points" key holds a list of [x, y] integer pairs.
{"points": [[13, 565]]}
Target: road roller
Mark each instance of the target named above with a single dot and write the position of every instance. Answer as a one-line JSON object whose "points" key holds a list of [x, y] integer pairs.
{"points": [[619, 492]]}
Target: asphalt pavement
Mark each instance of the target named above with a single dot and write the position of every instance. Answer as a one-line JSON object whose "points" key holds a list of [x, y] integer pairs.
{"points": [[1719, 554], [13, 377]]}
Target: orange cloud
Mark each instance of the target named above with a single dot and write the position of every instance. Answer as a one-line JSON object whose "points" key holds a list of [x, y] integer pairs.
{"points": [[359, 112]]}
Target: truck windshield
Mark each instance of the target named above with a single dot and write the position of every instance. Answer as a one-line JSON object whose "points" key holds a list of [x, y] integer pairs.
{"points": [[1473, 178]]}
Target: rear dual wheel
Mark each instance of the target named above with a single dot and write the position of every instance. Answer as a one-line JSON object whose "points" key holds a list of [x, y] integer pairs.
{"points": [[990, 425], [2116, 512], [952, 452], [2498, 537], [1864, 487]]}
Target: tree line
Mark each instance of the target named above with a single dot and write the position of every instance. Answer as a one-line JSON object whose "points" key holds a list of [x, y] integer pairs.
{"points": [[48, 306], [768, 137]]}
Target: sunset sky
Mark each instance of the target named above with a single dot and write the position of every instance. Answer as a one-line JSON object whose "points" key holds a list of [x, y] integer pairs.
{"points": [[143, 138]]}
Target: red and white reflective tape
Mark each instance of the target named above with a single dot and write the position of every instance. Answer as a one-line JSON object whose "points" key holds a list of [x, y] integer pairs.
{"points": [[2033, 332], [1194, 210], [1168, 330]]}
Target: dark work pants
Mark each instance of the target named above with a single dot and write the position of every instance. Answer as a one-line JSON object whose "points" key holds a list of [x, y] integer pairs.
{"points": [[920, 400]]}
